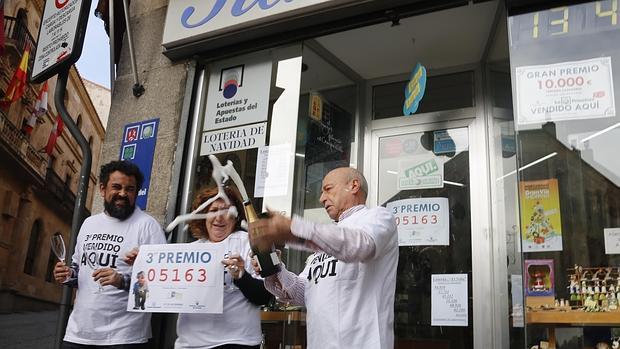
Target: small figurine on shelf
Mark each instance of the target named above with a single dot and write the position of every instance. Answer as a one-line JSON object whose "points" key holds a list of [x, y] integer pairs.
{"points": [[612, 289], [609, 270], [597, 291], [615, 343], [604, 302], [574, 296], [584, 291], [613, 301], [604, 287], [539, 282], [590, 304], [574, 284]]}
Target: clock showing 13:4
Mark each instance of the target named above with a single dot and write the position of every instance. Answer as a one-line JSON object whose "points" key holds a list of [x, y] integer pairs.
{"points": [[564, 21]]}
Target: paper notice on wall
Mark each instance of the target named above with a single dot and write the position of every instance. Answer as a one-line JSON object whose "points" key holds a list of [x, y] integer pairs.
{"points": [[272, 167], [612, 240], [449, 300], [516, 290], [565, 91], [422, 221]]}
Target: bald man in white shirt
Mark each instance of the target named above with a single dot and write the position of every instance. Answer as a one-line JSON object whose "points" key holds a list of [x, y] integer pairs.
{"points": [[348, 284]]}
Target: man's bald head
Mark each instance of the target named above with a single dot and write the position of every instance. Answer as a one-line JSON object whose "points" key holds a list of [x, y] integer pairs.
{"points": [[342, 189]]}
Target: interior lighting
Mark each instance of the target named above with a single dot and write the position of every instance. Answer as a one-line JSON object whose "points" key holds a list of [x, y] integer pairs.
{"points": [[529, 165]]}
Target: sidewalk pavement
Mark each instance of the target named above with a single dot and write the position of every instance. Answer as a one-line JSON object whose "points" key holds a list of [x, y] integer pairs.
{"points": [[31, 330]]}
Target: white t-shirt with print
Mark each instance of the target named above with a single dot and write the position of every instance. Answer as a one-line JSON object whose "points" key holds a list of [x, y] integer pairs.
{"points": [[102, 318], [239, 322], [351, 305]]}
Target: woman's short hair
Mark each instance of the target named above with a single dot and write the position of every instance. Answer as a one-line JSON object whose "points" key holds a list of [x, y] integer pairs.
{"points": [[198, 227]]}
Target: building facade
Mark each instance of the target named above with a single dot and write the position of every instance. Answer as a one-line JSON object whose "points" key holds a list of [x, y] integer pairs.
{"points": [[37, 189], [488, 127], [100, 96]]}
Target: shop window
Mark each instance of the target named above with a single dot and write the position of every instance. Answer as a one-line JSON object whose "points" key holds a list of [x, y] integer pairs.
{"points": [[443, 92], [33, 247], [565, 72], [327, 140]]}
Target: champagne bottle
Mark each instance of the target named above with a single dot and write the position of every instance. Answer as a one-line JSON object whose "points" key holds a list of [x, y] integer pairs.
{"points": [[267, 259]]}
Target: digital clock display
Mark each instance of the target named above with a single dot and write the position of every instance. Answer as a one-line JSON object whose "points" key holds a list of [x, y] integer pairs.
{"points": [[563, 21]]}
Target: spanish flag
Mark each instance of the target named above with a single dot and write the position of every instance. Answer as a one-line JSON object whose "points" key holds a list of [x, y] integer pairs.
{"points": [[18, 82]]}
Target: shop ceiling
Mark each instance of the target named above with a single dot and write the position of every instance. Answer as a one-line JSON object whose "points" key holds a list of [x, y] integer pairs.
{"points": [[442, 39]]}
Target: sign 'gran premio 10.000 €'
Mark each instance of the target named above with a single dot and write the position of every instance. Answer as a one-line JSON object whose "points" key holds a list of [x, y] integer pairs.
{"points": [[61, 36]]}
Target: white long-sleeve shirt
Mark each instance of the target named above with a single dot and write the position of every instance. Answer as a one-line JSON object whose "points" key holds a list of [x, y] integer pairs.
{"points": [[348, 285]]}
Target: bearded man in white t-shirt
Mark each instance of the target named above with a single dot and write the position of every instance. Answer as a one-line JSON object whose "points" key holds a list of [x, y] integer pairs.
{"points": [[101, 266], [348, 284]]}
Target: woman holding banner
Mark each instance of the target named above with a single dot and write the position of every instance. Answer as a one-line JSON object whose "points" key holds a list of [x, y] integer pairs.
{"points": [[239, 324]]}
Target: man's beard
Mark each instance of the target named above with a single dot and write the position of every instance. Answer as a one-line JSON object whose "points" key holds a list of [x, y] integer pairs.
{"points": [[119, 212]]}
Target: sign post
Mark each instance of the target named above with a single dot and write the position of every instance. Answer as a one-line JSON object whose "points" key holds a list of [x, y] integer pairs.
{"points": [[59, 46]]}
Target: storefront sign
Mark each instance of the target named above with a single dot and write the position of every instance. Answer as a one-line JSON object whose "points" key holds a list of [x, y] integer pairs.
{"points": [[422, 172], [138, 147], [272, 170], [541, 224], [61, 36], [449, 300], [177, 278], [422, 221], [612, 240], [233, 139], [238, 92], [190, 20], [565, 91], [414, 90]]}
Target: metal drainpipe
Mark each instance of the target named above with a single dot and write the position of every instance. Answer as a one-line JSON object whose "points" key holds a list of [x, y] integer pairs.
{"points": [[112, 44], [80, 200], [138, 89]]}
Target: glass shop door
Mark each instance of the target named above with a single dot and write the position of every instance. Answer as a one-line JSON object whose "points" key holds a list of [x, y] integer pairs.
{"points": [[422, 173]]}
